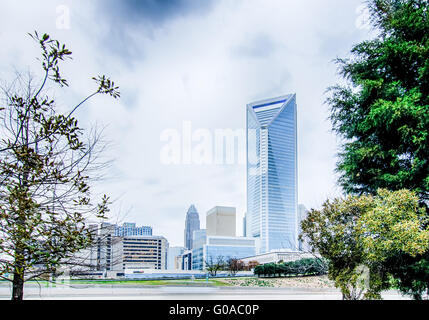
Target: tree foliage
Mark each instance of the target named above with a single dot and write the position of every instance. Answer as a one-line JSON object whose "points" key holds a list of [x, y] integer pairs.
{"points": [[46, 166], [382, 115], [395, 234], [302, 267], [332, 232], [395, 224], [383, 111], [360, 235]]}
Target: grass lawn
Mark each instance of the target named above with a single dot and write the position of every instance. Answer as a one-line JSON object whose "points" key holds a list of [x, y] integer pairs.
{"points": [[308, 282], [180, 282]]}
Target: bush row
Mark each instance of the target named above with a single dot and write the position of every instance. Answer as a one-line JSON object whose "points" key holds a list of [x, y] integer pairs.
{"points": [[303, 267]]}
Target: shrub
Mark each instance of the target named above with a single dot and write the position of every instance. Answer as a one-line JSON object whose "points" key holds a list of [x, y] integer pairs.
{"points": [[303, 267]]}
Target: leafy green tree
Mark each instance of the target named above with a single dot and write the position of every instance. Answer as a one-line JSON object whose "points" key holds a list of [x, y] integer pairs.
{"points": [[270, 269], [382, 114], [395, 224], [361, 235], [283, 268], [46, 166], [410, 274], [383, 111], [332, 233], [259, 270], [395, 235]]}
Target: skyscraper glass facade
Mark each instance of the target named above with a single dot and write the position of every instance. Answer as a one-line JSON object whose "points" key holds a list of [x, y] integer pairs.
{"points": [[198, 241], [214, 249], [228, 248], [192, 223], [130, 229], [272, 173]]}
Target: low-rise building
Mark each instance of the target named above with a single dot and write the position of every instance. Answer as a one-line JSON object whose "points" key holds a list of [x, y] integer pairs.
{"points": [[225, 248], [141, 252], [277, 256], [173, 253], [218, 242], [218, 248], [106, 257]]}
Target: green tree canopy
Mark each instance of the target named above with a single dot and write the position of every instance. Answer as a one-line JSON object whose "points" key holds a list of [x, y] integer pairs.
{"points": [[395, 224], [332, 233], [363, 233], [383, 112], [382, 116]]}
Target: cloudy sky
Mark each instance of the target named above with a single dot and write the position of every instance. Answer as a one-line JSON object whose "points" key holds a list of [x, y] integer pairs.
{"points": [[193, 62]]}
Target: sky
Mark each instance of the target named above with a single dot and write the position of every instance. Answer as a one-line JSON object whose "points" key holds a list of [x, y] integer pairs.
{"points": [[190, 65]]}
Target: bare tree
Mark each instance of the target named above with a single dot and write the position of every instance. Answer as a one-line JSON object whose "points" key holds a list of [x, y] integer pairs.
{"points": [[213, 265], [251, 265], [46, 166], [234, 265]]}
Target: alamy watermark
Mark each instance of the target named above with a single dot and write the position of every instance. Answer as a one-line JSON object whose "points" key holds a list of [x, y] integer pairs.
{"points": [[189, 146], [62, 21]]}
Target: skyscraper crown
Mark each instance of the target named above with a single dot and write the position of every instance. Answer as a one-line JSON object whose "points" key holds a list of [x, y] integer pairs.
{"points": [[266, 111], [192, 210]]}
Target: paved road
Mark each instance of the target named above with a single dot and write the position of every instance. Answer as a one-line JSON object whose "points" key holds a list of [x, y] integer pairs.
{"points": [[130, 292]]}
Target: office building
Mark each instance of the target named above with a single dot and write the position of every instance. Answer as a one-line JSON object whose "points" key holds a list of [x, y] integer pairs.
{"points": [[219, 247], [178, 262], [272, 173], [91, 252], [187, 260], [130, 229], [117, 253], [198, 240], [192, 223], [106, 257], [140, 252], [173, 253], [220, 221], [244, 225], [220, 243]]}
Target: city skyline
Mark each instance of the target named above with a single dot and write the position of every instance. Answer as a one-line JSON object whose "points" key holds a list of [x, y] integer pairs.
{"points": [[193, 62]]}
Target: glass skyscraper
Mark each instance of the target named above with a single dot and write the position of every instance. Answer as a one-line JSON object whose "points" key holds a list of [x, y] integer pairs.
{"points": [[192, 223], [272, 173]]}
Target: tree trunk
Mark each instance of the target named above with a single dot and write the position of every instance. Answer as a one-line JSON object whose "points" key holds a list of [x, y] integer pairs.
{"points": [[18, 286]]}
